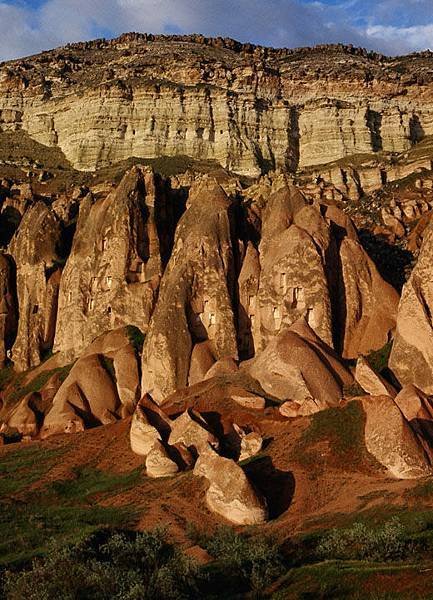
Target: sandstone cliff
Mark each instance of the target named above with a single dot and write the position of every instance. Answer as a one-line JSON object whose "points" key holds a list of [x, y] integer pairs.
{"points": [[248, 108]]}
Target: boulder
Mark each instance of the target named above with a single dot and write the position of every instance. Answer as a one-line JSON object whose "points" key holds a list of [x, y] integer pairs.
{"points": [[371, 382], [417, 408], [390, 439], [190, 429], [142, 434], [251, 444], [289, 409], [224, 366], [87, 392], [249, 401], [292, 367], [202, 359], [159, 463], [230, 494]]}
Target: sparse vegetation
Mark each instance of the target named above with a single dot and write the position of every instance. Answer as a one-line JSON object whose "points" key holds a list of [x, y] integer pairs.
{"points": [[378, 359], [341, 428], [37, 383], [136, 337]]}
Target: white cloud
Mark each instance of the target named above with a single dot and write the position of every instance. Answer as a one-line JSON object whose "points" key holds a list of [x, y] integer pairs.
{"points": [[25, 30]]}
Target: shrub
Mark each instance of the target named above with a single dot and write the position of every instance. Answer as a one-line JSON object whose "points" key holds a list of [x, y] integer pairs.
{"points": [[136, 337], [360, 542], [115, 566], [255, 559]]}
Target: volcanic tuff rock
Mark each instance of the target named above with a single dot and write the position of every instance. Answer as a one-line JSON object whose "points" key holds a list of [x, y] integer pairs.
{"points": [[230, 494], [412, 354], [8, 307], [390, 439], [196, 298], [112, 274], [34, 251], [245, 106]]}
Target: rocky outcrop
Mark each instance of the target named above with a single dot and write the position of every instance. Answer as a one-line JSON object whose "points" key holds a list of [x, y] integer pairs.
{"points": [[196, 299], [390, 439], [159, 463], [8, 307], [112, 274], [293, 282], [418, 410], [230, 494], [411, 357], [191, 431], [245, 107], [34, 251], [370, 303], [296, 365], [371, 382]]}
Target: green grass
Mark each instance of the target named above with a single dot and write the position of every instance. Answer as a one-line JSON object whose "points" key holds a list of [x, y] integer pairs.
{"points": [[23, 467], [28, 528], [37, 383], [89, 482], [343, 429], [65, 510]]}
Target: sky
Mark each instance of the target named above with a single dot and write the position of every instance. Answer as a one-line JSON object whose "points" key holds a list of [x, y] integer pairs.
{"points": [[388, 26]]}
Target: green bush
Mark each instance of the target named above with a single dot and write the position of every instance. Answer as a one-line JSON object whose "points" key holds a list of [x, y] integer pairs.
{"points": [[360, 542], [256, 560], [115, 566], [136, 337]]}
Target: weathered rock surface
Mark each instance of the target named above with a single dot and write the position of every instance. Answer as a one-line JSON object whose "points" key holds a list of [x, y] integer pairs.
{"points": [[34, 251], [370, 307], [112, 274], [418, 410], [293, 367], [8, 307], [196, 295], [230, 494], [411, 357], [87, 393], [142, 434], [246, 107], [371, 382], [191, 430], [390, 439], [159, 463]]}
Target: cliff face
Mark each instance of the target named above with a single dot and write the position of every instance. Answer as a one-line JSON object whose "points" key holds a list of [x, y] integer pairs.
{"points": [[248, 108]]}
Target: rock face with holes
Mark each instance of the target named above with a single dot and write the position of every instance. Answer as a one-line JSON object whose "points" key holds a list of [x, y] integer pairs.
{"points": [[112, 274], [230, 494], [196, 299], [293, 283], [34, 252], [411, 357]]}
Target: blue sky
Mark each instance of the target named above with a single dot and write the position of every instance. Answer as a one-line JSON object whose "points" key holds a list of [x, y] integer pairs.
{"points": [[389, 26]]}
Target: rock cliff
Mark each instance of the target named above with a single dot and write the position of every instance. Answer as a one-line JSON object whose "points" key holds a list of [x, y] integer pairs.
{"points": [[246, 107]]}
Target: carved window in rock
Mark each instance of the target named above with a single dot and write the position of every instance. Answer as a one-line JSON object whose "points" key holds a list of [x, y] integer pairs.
{"points": [[104, 244], [283, 283], [278, 318], [90, 304], [36, 309], [69, 297], [109, 310], [252, 320], [212, 319], [308, 315], [298, 298], [109, 281]]}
